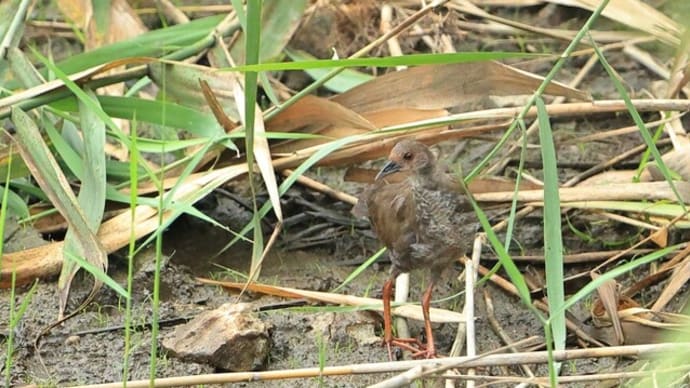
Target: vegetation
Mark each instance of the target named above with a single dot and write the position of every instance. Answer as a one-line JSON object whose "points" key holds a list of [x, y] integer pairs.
{"points": [[139, 113]]}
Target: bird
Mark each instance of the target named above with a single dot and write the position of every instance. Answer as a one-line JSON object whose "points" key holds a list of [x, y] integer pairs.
{"points": [[425, 221]]}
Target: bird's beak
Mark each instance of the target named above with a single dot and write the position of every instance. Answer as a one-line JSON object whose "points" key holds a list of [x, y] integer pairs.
{"points": [[389, 168]]}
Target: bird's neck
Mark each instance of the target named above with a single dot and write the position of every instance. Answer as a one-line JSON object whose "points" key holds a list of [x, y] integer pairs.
{"points": [[426, 178]]}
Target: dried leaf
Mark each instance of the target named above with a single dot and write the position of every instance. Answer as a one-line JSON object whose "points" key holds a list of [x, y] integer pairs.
{"points": [[606, 307], [443, 86], [316, 115], [79, 11], [634, 14], [49, 176], [679, 278], [407, 311]]}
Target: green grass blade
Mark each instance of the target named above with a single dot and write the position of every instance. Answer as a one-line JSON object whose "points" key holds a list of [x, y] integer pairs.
{"points": [[152, 111], [151, 44], [134, 157], [341, 83], [572, 46], [352, 276], [553, 241], [406, 60], [615, 272], [644, 132]]}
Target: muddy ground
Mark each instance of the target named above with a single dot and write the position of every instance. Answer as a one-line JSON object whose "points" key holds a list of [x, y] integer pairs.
{"points": [[72, 355], [89, 348]]}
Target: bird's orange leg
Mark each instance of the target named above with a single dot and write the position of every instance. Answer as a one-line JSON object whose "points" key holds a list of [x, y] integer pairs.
{"points": [[430, 351], [387, 325], [404, 343]]}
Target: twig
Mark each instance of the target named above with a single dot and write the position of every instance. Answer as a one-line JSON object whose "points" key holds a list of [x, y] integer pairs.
{"points": [[318, 186], [499, 330], [401, 366], [510, 288], [609, 163], [579, 258], [533, 127], [576, 379]]}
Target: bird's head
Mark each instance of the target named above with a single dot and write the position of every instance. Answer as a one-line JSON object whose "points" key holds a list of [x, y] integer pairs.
{"points": [[408, 155]]}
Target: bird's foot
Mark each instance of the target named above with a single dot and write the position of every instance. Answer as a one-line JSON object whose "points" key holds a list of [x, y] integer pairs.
{"points": [[412, 345], [425, 353]]}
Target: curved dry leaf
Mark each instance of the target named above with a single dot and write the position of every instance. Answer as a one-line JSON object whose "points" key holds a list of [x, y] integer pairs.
{"points": [[634, 14], [407, 311], [678, 161], [389, 117], [447, 85], [311, 114], [650, 191], [677, 281], [7, 102], [46, 260], [316, 115]]}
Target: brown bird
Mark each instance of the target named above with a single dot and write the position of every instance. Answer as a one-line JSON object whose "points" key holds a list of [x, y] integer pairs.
{"points": [[425, 221]]}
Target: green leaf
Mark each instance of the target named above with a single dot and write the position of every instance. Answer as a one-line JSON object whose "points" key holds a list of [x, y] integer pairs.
{"points": [[151, 44], [406, 60], [341, 83], [553, 241], [152, 111], [15, 204]]}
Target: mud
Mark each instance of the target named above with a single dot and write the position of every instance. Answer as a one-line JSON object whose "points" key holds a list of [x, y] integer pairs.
{"points": [[89, 347]]}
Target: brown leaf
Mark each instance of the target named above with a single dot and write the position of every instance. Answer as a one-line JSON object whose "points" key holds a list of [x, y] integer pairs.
{"points": [[408, 311], [606, 307], [635, 14], [79, 11], [678, 280], [122, 23], [316, 115], [448, 85]]}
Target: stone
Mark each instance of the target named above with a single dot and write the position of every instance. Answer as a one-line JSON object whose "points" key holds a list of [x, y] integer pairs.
{"points": [[231, 337]]}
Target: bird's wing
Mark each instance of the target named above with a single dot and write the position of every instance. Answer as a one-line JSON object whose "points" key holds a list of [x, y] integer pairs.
{"points": [[392, 214]]}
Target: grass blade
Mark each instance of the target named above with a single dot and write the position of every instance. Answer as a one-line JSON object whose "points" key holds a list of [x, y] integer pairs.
{"points": [[48, 174], [553, 241]]}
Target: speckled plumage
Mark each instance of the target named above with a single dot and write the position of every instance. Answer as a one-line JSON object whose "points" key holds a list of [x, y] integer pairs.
{"points": [[425, 221]]}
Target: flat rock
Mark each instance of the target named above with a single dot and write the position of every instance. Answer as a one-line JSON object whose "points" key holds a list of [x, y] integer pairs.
{"points": [[231, 337]]}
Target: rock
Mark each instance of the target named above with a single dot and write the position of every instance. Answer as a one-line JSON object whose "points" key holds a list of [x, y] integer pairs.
{"points": [[231, 337]]}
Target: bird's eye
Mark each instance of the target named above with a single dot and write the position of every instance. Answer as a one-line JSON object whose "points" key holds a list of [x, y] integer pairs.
{"points": [[407, 156]]}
